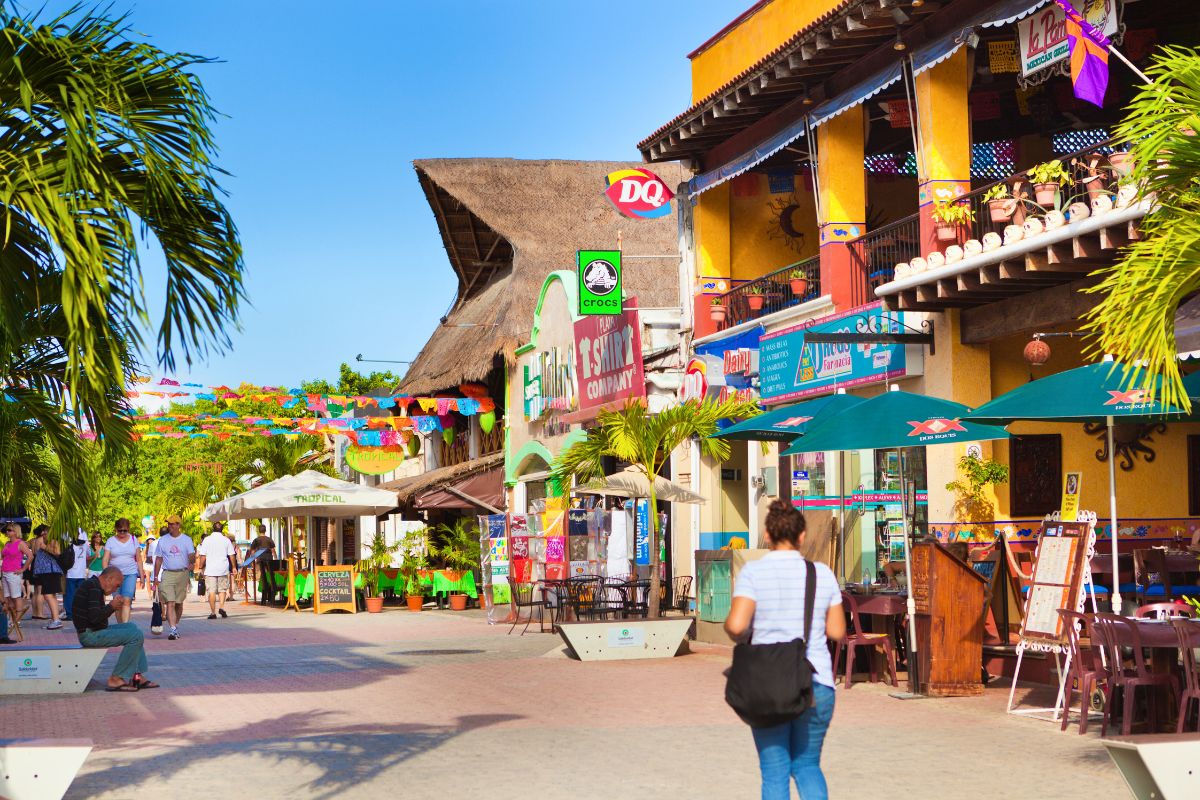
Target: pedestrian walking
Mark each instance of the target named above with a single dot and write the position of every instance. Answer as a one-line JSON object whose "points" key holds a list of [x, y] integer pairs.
{"points": [[768, 607], [77, 573], [121, 551], [97, 561], [12, 571], [47, 578], [216, 563], [264, 564], [174, 561], [90, 616], [156, 611]]}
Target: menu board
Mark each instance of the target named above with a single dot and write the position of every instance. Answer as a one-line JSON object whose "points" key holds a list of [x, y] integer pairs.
{"points": [[1060, 568], [334, 589]]}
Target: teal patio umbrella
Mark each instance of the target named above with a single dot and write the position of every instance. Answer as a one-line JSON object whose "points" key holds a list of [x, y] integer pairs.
{"points": [[897, 419], [1091, 393], [786, 423]]}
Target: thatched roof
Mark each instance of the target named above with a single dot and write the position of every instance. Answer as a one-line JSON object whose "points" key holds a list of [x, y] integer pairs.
{"points": [[507, 224]]}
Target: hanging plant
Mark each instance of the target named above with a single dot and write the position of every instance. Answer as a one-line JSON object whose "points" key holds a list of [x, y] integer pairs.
{"points": [[448, 435], [414, 446]]}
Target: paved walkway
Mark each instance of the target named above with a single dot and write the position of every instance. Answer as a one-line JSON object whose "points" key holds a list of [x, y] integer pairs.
{"points": [[271, 704]]}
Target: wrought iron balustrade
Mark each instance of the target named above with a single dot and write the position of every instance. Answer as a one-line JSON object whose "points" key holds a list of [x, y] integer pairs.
{"points": [[790, 286], [874, 255]]}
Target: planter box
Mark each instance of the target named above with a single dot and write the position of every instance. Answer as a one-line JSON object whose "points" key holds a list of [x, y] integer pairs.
{"points": [[626, 639]]}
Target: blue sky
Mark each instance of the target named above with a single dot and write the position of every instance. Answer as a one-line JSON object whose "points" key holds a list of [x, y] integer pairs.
{"points": [[327, 105]]}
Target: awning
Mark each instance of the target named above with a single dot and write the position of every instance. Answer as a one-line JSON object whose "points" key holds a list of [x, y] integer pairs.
{"points": [[748, 160], [1005, 13], [856, 95], [455, 486]]}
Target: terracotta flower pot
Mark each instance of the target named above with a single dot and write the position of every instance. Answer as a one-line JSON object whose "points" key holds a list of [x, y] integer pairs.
{"points": [[1001, 209], [1121, 163], [374, 604], [1045, 194], [718, 313], [799, 286], [458, 602], [415, 601], [755, 301], [946, 233]]}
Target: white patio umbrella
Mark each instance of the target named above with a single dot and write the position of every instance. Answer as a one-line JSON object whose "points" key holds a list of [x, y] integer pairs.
{"points": [[310, 493], [630, 482]]}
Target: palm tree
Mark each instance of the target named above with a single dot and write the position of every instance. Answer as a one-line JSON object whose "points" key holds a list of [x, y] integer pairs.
{"points": [[1136, 319], [646, 441], [105, 145]]}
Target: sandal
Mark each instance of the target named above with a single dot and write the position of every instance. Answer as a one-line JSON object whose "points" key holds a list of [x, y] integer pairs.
{"points": [[143, 683], [124, 687]]}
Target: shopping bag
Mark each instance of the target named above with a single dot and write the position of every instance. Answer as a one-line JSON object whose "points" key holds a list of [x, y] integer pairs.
{"points": [[156, 615]]}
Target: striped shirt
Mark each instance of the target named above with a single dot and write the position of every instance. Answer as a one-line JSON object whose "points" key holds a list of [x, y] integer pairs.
{"points": [[776, 585]]}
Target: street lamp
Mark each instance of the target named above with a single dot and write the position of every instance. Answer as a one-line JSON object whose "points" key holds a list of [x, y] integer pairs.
{"points": [[360, 359]]}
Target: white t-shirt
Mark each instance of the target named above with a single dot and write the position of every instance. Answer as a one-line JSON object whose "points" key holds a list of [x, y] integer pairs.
{"points": [[776, 585], [123, 556], [174, 551], [79, 569], [216, 550], [150, 548]]}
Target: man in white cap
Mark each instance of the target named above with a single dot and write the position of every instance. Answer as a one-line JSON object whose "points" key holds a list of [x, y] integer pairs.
{"points": [[174, 560], [216, 559]]}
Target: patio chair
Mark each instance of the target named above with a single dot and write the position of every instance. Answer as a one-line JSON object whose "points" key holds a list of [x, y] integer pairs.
{"points": [[858, 638], [581, 595], [1087, 667], [610, 598], [680, 593], [637, 597], [1119, 632], [521, 595], [1164, 611], [1191, 673]]}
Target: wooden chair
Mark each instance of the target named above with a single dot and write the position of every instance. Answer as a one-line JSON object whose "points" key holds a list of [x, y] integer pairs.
{"points": [[857, 638], [1119, 632], [1164, 611], [1087, 668], [1191, 675]]}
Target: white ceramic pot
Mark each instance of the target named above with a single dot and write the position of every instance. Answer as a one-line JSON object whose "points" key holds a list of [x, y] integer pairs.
{"points": [[1055, 219], [972, 247], [902, 271], [935, 260], [954, 254], [1126, 195], [1078, 211], [1033, 226], [1101, 204], [992, 240], [917, 265], [1013, 233]]}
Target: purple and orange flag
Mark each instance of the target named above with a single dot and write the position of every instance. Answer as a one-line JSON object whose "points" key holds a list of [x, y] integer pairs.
{"points": [[1089, 56]]}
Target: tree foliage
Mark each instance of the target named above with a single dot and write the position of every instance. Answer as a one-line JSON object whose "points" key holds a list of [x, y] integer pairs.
{"points": [[1135, 321], [646, 441]]}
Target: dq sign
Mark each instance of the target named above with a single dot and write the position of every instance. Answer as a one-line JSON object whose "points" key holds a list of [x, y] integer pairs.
{"points": [[638, 193]]}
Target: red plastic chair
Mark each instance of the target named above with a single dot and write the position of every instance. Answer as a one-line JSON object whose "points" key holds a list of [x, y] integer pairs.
{"points": [[858, 638], [1087, 668], [1117, 633], [1165, 611], [1191, 673]]}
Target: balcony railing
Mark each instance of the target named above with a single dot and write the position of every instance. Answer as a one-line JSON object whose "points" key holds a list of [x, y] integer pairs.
{"points": [[459, 450], [794, 284], [874, 255]]}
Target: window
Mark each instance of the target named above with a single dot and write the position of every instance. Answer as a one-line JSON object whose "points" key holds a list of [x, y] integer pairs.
{"points": [[1035, 474]]}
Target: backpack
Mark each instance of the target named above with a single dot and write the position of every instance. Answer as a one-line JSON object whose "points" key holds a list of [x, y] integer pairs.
{"points": [[66, 559], [770, 684]]}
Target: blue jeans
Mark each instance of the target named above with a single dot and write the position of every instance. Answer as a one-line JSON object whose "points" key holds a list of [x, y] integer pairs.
{"points": [[793, 750], [129, 638], [69, 594]]}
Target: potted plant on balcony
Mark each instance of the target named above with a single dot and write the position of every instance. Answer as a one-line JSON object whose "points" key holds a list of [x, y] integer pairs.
{"points": [[1047, 178], [1001, 205], [754, 297], [799, 280], [459, 554], [948, 217], [718, 309], [414, 550], [1121, 163], [379, 558]]}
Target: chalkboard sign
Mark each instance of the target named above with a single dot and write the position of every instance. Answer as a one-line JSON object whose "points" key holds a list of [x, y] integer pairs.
{"points": [[333, 589]]}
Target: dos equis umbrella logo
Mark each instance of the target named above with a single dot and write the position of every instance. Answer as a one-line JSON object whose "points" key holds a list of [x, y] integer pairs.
{"points": [[638, 193]]}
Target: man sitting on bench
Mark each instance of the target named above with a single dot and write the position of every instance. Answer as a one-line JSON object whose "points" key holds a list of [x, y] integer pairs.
{"points": [[90, 614]]}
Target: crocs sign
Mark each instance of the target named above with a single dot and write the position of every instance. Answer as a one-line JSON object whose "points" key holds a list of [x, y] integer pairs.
{"points": [[638, 193]]}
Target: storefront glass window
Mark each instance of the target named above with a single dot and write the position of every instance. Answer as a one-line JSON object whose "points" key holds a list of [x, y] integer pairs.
{"points": [[814, 465]]}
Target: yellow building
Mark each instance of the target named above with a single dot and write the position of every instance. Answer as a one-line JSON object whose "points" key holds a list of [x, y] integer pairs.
{"points": [[844, 153]]}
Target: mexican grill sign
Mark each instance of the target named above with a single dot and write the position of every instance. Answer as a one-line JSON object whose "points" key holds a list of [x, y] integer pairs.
{"points": [[608, 352]]}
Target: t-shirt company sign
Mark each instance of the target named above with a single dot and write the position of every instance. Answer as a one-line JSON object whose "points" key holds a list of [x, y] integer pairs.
{"points": [[608, 352]]}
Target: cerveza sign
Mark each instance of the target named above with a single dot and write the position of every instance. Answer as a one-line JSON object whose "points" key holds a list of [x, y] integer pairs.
{"points": [[319, 498], [791, 368]]}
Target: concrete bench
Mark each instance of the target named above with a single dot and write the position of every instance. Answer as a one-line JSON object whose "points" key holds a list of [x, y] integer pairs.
{"points": [[50, 669], [1164, 766], [40, 769]]}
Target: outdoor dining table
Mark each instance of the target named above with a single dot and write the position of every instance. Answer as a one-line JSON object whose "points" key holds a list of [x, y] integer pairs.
{"points": [[1158, 636], [888, 603]]}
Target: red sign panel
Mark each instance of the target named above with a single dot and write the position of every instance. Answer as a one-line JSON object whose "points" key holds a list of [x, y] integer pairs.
{"points": [[608, 357]]}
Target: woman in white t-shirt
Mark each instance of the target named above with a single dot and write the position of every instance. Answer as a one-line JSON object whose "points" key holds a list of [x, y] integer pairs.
{"points": [[78, 572], [123, 552], [768, 602]]}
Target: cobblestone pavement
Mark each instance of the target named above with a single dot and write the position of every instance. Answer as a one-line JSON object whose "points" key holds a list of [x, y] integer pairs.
{"points": [[272, 704]]}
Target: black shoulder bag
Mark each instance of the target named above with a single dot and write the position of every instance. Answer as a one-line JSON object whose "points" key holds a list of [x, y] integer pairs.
{"points": [[770, 684]]}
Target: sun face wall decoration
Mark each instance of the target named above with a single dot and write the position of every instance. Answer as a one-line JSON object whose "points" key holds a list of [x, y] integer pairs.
{"points": [[785, 222]]}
